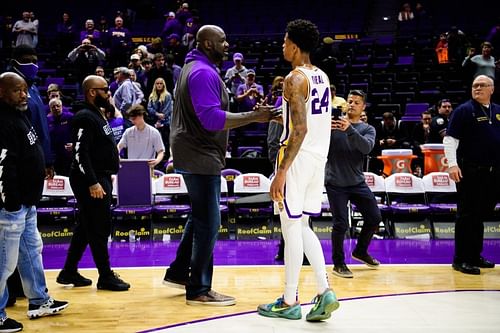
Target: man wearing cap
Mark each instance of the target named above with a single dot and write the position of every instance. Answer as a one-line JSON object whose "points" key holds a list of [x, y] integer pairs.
{"points": [[175, 47], [249, 93], [236, 75], [126, 95], [172, 26], [136, 65], [86, 57]]}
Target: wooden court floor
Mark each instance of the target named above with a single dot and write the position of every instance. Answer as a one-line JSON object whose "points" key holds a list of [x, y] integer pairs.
{"points": [[149, 304]]}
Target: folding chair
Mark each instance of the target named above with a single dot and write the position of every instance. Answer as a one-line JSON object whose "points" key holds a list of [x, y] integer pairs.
{"points": [[441, 195]]}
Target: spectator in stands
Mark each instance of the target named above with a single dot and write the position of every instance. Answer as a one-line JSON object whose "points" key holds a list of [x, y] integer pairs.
{"points": [[115, 119], [6, 34], [172, 26], [249, 93], [276, 91], [36, 22], [25, 31], [113, 86], [53, 91], [350, 142], [189, 32], [159, 69], [439, 123], [156, 46], [24, 59], [183, 13], [236, 75], [494, 38], [103, 26], [405, 14], [160, 106], [337, 101], [59, 122], [473, 163], [363, 117], [136, 64], [85, 58], [421, 131], [127, 93], [482, 64], [174, 68], [66, 35], [390, 135], [142, 140], [442, 49], [142, 50], [99, 71], [457, 45], [137, 85], [143, 79], [119, 44], [91, 33], [175, 47]]}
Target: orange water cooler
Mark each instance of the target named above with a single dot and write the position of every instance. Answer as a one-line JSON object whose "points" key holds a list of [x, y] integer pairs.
{"points": [[434, 159], [397, 160]]}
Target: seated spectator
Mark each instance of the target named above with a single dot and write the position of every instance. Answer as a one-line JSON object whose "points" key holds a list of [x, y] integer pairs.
{"points": [[59, 122], [390, 135], [439, 123], [142, 140]]}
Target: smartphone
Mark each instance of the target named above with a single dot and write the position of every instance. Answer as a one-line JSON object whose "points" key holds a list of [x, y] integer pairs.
{"points": [[336, 113]]}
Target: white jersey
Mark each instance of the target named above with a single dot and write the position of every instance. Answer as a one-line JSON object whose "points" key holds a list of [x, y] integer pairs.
{"points": [[318, 109]]}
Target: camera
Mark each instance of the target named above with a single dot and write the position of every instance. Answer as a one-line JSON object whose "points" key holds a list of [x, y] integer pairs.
{"points": [[336, 113]]}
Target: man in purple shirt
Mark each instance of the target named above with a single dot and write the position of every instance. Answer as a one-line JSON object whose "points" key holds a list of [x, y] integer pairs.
{"points": [[198, 136], [59, 122]]}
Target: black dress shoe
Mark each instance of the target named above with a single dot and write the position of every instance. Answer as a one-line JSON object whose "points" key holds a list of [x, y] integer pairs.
{"points": [[74, 278], [466, 268], [484, 263], [112, 282]]}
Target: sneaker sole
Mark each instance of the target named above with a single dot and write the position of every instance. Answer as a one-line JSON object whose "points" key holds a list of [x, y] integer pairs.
{"points": [[329, 308], [366, 263], [277, 315], [225, 303], [76, 285], [342, 275], [174, 285], [48, 312]]}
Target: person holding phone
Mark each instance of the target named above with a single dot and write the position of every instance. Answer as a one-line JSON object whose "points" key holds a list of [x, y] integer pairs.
{"points": [[351, 140]]}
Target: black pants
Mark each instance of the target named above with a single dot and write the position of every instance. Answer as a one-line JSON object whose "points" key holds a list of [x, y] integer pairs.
{"points": [[478, 193], [94, 225], [365, 202]]}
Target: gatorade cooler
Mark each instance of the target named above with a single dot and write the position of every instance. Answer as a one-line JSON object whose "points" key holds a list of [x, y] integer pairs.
{"points": [[397, 160], [434, 159]]}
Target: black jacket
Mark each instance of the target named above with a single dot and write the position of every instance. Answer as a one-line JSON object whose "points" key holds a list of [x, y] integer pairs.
{"points": [[95, 151], [22, 165]]}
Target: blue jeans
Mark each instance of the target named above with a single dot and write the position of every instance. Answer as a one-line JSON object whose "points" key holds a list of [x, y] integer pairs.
{"points": [[194, 257], [21, 245]]}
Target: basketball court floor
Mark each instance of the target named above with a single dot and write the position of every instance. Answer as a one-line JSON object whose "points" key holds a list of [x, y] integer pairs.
{"points": [[415, 290]]}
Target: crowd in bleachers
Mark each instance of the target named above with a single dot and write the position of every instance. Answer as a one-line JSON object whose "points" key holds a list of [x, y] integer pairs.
{"points": [[399, 72]]}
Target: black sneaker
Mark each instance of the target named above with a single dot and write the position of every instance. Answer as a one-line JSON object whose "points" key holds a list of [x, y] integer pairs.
{"points": [[174, 282], [342, 271], [8, 325], [112, 282], [74, 278], [46, 309], [366, 259]]}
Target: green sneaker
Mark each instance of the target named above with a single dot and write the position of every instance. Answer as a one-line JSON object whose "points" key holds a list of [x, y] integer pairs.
{"points": [[279, 309], [324, 305]]}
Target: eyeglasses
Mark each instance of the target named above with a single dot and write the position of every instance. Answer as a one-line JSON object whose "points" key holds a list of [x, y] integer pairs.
{"points": [[480, 85], [105, 89]]}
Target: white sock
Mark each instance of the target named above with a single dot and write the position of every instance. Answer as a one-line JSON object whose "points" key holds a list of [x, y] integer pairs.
{"points": [[314, 253], [294, 251]]}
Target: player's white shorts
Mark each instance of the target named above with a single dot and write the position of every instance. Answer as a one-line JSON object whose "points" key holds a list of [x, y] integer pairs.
{"points": [[304, 185]]}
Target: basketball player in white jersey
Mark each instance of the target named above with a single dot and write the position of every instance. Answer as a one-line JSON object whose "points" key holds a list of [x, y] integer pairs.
{"points": [[297, 186]]}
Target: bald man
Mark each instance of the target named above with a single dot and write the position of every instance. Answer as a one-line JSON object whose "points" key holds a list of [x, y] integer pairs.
{"points": [[95, 159], [22, 172], [199, 136], [471, 147]]}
